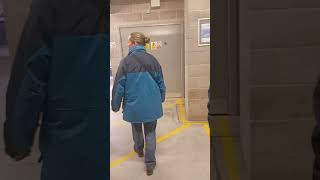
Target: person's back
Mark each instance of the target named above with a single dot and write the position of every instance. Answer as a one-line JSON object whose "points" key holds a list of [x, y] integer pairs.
{"points": [[139, 84], [142, 94], [60, 70]]}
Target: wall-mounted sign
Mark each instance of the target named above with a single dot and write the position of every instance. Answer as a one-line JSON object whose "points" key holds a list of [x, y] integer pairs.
{"points": [[204, 32], [147, 46], [155, 45]]}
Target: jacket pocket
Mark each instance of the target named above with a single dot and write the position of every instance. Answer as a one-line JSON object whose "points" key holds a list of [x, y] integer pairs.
{"points": [[66, 123]]}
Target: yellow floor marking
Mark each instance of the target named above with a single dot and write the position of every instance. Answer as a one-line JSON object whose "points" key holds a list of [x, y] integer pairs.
{"points": [[228, 147], [181, 111], [122, 159], [159, 140], [172, 133], [206, 129], [229, 151], [185, 124], [183, 117]]}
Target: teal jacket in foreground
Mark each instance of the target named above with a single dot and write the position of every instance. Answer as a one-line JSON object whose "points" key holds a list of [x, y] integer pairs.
{"points": [[59, 82], [73, 98], [75, 120], [139, 86]]}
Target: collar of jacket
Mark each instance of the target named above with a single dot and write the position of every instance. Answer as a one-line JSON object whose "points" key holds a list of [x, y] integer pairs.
{"points": [[137, 48]]}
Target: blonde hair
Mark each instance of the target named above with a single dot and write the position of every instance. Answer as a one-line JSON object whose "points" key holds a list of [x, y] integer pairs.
{"points": [[139, 38]]}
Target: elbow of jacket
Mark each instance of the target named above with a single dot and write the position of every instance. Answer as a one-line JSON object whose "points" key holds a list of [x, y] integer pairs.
{"points": [[115, 109]]}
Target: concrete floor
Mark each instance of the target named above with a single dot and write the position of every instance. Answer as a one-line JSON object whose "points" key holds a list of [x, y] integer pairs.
{"points": [[182, 153]]}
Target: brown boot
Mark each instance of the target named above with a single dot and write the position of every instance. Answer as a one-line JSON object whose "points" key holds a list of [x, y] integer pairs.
{"points": [[150, 172], [140, 153]]}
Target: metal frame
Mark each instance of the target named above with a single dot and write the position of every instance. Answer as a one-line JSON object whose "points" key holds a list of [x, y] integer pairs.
{"points": [[199, 33], [180, 23]]}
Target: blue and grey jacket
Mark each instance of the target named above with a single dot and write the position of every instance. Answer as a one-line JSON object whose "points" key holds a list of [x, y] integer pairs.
{"points": [[139, 84], [60, 71]]}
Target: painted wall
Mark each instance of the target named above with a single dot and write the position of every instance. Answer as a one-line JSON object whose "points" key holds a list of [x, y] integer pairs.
{"points": [[197, 61], [196, 58], [126, 12]]}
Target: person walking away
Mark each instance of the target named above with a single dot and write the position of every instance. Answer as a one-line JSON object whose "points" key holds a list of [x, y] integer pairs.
{"points": [[139, 86]]}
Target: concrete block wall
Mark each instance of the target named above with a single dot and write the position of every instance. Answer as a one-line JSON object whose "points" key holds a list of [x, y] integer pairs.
{"points": [[283, 59], [126, 12], [197, 61]]}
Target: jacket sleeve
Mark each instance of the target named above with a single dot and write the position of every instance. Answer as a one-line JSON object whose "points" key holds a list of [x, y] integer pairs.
{"points": [[26, 87], [118, 89], [22, 123], [162, 87]]}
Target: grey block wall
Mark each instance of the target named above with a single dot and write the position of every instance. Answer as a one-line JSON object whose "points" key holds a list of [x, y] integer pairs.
{"points": [[15, 13], [197, 61], [133, 12], [279, 63]]}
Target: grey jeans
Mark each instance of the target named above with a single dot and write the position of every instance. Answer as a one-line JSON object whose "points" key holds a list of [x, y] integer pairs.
{"points": [[149, 131]]}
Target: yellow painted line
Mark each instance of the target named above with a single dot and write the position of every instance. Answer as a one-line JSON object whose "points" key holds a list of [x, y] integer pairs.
{"points": [[228, 145], [159, 140], [206, 129], [185, 124], [122, 159], [182, 112], [172, 133], [229, 151]]}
